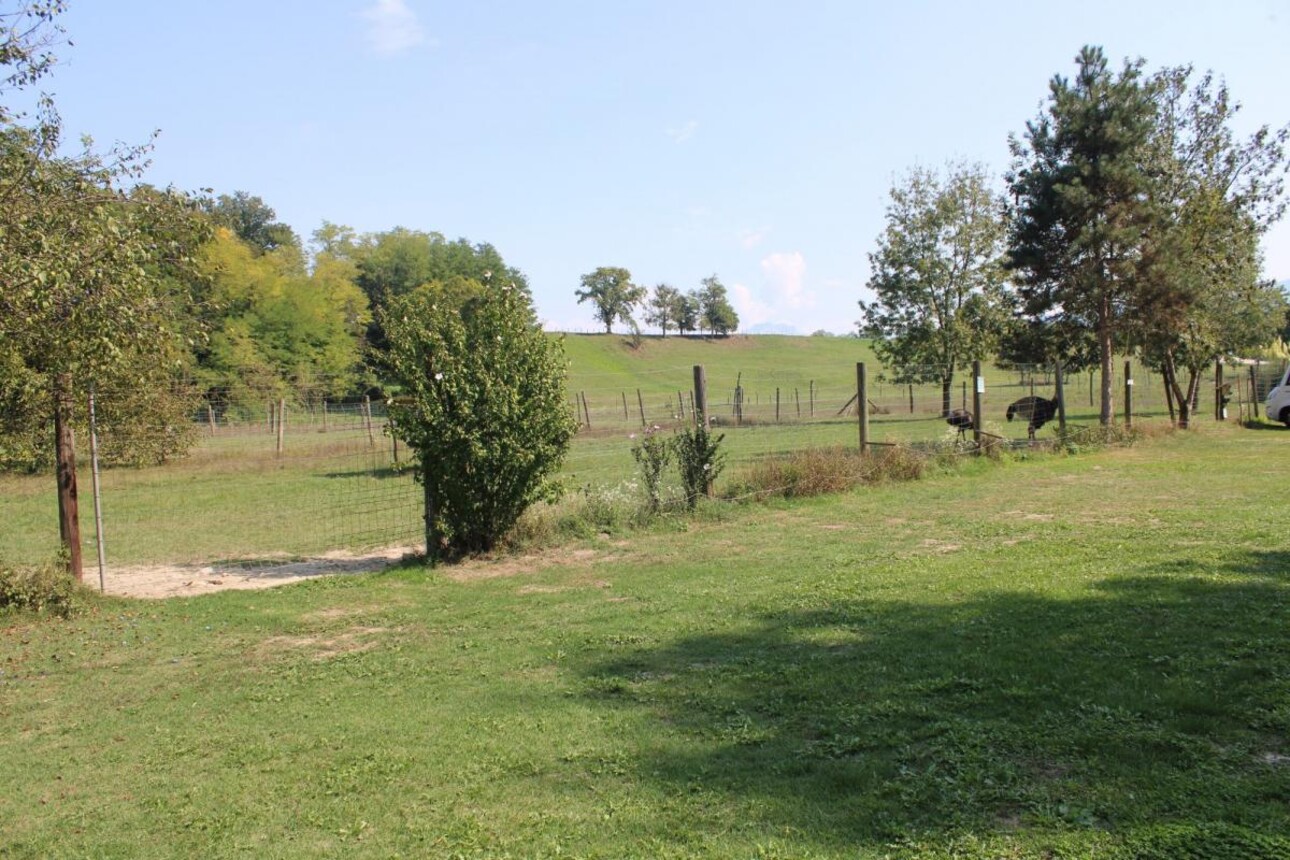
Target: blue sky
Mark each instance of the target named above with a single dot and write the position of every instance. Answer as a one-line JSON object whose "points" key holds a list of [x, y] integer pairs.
{"points": [[753, 140]]}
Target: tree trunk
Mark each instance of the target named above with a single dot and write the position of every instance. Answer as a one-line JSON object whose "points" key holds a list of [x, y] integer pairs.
{"points": [[1104, 349], [69, 526], [1175, 390]]}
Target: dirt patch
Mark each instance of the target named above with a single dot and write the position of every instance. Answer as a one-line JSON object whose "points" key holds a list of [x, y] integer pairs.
{"points": [[325, 647], [487, 568], [186, 580], [939, 546]]}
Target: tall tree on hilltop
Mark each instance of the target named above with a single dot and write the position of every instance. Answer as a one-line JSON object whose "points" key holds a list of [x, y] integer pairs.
{"points": [[1082, 203], [937, 277], [662, 309], [611, 291], [715, 310]]}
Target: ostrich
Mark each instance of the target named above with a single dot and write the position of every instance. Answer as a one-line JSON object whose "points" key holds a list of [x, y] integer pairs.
{"points": [[961, 420], [1037, 410]]}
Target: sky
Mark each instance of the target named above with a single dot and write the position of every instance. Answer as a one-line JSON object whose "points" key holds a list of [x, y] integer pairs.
{"points": [[752, 140]]}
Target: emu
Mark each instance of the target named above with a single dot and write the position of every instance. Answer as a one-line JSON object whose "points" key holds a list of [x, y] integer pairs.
{"points": [[1037, 410], [961, 420]]}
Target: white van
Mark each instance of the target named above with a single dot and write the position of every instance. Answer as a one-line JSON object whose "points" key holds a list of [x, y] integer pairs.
{"points": [[1278, 405]]}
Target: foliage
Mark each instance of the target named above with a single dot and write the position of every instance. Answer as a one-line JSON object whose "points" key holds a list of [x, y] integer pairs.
{"points": [[664, 308], [715, 311], [937, 276], [90, 295], [251, 220], [699, 458], [42, 589], [612, 293], [1083, 204], [483, 409], [652, 452], [274, 327], [1200, 295]]}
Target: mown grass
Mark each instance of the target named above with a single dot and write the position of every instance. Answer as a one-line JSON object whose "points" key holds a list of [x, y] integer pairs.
{"points": [[1062, 657]]}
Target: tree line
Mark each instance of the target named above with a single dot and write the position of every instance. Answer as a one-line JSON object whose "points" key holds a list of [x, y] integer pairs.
{"points": [[615, 298], [1129, 222]]}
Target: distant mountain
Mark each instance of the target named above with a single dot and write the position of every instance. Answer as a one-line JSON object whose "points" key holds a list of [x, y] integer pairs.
{"points": [[771, 328]]}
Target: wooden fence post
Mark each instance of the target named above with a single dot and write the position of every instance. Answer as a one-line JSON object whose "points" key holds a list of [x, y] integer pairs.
{"points": [[1254, 394], [797, 400], [640, 402], [367, 420], [680, 404], [699, 406], [1128, 395], [776, 404], [812, 396], [862, 406], [1061, 400], [210, 416], [324, 414], [282, 424], [586, 410], [624, 393]]}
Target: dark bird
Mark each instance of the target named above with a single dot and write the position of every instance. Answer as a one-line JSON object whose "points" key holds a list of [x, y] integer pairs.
{"points": [[1037, 410], [959, 419]]}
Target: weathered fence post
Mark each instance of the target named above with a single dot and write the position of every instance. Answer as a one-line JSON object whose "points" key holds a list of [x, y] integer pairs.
{"points": [[798, 401], [812, 396], [69, 525], [680, 404], [1254, 394], [1128, 395], [862, 406], [367, 420], [586, 410], [625, 416], [324, 414], [911, 398], [978, 390], [282, 424], [1061, 400], [699, 406], [640, 402], [776, 404], [210, 414]]}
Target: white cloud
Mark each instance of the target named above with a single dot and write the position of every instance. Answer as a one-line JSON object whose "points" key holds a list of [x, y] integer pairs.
{"points": [[684, 133], [786, 276], [751, 309], [392, 27], [752, 238]]}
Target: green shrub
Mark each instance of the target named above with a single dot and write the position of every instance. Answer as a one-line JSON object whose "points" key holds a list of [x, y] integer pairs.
{"points": [[43, 589], [652, 453], [483, 409], [700, 459]]}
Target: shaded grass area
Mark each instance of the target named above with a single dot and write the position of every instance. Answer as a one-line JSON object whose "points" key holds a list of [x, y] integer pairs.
{"points": [[1068, 657]]}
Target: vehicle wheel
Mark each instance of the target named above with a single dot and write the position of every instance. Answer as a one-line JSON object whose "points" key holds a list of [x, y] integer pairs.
{"points": [[1285, 416]]}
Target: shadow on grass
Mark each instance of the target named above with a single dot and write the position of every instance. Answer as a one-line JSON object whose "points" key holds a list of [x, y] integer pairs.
{"points": [[380, 474], [1156, 701], [1264, 425]]}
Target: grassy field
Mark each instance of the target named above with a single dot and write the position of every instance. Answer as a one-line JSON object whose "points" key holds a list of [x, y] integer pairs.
{"points": [[1056, 657], [233, 498]]}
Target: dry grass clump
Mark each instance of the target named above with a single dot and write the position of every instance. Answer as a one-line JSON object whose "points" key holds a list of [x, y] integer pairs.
{"points": [[818, 471]]}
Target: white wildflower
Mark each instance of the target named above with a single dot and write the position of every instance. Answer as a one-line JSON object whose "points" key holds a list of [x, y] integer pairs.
{"points": [[438, 376]]}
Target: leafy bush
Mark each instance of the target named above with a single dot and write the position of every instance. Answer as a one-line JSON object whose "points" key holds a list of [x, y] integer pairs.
{"points": [[700, 459], [46, 588], [652, 453], [483, 409]]}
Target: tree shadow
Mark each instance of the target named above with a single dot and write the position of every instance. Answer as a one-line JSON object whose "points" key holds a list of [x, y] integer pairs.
{"points": [[1155, 698]]}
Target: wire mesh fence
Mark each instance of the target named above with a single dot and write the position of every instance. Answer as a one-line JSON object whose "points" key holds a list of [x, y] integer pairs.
{"points": [[304, 475]]}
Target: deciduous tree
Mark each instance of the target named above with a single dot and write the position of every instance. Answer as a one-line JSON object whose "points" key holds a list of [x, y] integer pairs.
{"points": [[715, 310], [938, 279], [612, 293]]}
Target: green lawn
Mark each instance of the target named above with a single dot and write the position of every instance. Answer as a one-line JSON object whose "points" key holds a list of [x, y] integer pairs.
{"points": [[1056, 657]]}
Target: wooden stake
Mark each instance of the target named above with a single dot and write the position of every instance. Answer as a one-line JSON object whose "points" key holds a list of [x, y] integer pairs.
{"points": [[978, 393], [282, 424], [640, 401], [367, 421], [862, 406], [699, 406]]}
